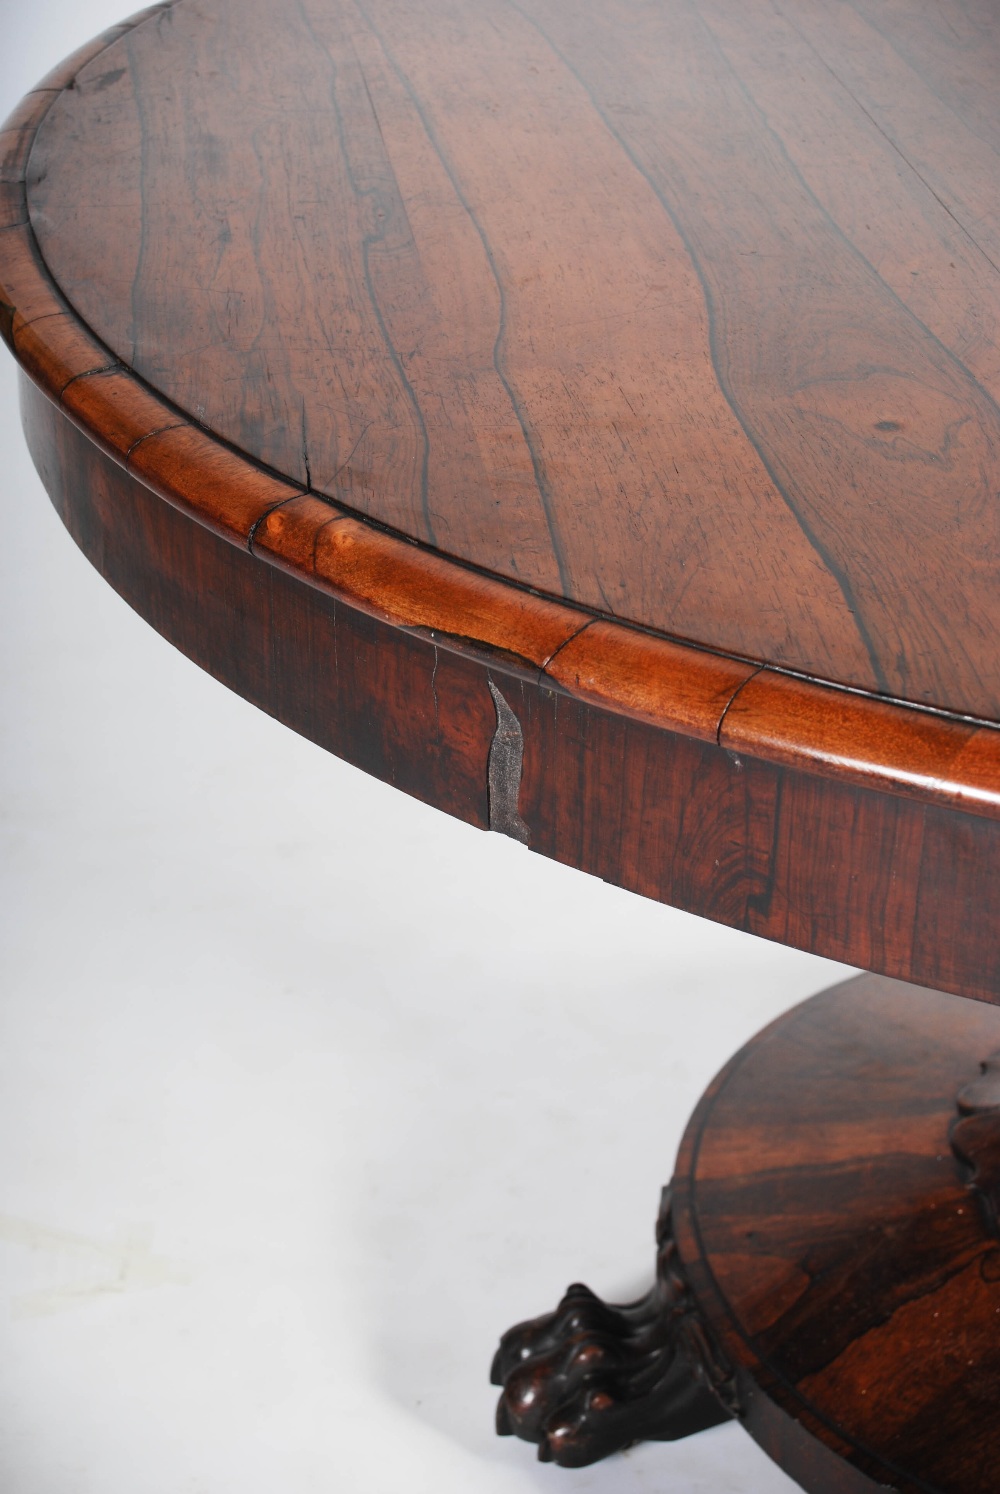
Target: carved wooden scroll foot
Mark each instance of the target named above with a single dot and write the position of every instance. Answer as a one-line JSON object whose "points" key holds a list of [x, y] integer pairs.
{"points": [[591, 1378]]}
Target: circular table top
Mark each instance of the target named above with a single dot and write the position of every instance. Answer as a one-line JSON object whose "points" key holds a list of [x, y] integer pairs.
{"points": [[686, 314], [652, 349]]}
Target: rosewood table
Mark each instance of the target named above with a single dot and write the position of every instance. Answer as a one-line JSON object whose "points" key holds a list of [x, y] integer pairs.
{"points": [[585, 418]]}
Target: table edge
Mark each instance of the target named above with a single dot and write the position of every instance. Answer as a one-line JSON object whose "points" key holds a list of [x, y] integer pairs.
{"points": [[746, 706]]}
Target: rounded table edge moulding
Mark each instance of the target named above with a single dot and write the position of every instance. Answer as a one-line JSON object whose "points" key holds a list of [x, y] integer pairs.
{"points": [[747, 706]]}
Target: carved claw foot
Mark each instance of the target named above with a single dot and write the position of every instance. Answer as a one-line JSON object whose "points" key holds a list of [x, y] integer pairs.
{"points": [[590, 1378]]}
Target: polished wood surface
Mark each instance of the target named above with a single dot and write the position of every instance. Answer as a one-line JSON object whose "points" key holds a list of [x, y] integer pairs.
{"points": [[855, 873], [593, 1378], [585, 419], [827, 1267], [681, 762], [666, 310], [838, 1244]]}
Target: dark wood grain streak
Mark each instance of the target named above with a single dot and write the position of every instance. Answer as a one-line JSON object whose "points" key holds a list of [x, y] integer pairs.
{"points": [[834, 1249], [771, 835], [417, 717], [634, 672], [734, 310], [868, 877], [584, 418], [837, 385]]}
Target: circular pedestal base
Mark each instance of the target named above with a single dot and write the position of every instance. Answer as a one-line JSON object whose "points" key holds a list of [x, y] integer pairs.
{"points": [[833, 1216]]}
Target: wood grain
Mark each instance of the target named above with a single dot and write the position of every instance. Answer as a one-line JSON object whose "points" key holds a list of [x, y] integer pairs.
{"points": [[635, 672], [769, 834], [649, 679], [584, 418], [846, 736], [859, 874], [393, 581], [852, 1281], [483, 273]]}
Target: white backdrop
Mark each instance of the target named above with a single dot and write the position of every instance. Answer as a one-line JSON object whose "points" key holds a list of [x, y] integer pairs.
{"points": [[306, 1092]]}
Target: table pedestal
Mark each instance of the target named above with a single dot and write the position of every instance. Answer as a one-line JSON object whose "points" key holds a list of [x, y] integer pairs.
{"points": [[828, 1264]]}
